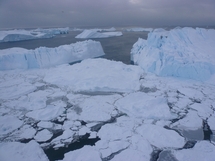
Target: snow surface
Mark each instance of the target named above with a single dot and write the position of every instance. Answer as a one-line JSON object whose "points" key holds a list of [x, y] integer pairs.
{"points": [[202, 151], [24, 152], [43, 57], [19, 35], [186, 53], [94, 33], [96, 75]]}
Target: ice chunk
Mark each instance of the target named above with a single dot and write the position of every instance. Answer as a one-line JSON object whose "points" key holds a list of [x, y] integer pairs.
{"points": [[8, 124], [96, 75], [24, 152], [211, 122], [43, 135], [87, 153], [142, 105], [93, 33], [42, 57], [48, 113], [203, 150], [186, 53], [190, 122], [160, 137], [19, 35]]}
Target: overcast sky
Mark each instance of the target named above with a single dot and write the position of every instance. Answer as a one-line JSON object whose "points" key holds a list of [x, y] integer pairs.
{"points": [[62, 13]]}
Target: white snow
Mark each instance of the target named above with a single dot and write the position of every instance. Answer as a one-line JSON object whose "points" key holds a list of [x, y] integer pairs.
{"points": [[24, 152], [42, 57], [160, 137], [186, 53], [139, 29], [43, 135], [96, 75], [8, 124], [142, 105], [94, 33], [86, 153], [202, 151], [50, 112], [19, 35]]}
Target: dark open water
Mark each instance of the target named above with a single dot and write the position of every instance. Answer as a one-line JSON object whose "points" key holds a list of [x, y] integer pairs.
{"points": [[115, 48]]}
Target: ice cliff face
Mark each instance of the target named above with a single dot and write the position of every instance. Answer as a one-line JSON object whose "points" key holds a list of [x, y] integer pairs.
{"points": [[42, 57], [186, 53]]}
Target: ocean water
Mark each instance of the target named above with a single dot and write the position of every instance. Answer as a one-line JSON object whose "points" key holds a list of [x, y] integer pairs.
{"points": [[115, 48]]}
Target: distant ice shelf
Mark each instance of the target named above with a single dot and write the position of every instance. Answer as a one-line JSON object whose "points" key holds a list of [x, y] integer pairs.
{"points": [[98, 33], [181, 52], [139, 29], [19, 35], [42, 57]]}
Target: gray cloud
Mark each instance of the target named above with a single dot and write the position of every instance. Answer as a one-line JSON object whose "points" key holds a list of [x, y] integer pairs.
{"points": [[45, 13]]}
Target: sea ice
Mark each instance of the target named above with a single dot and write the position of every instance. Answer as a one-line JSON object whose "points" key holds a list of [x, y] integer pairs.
{"points": [[86, 153], [202, 151], [43, 57], [43, 135], [142, 105], [24, 152], [160, 137], [186, 53], [94, 33], [96, 75], [8, 124]]}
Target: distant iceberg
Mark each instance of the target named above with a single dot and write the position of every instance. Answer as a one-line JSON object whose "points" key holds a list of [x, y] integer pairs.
{"points": [[96, 33], [139, 29], [19, 35], [181, 52], [42, 57]]}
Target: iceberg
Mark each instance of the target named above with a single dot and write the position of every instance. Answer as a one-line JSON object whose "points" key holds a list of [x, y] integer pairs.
{"points": [[19, 35], [43, 57], [182, 52], [95, 33], [139, 29]]}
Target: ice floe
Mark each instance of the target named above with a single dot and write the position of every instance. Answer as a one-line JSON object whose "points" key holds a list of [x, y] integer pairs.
{"points": [[42, 57], [186, 53], [43, 135], [19, 35], [95, 33], [96, 75], [20, 151], [202, 150]]}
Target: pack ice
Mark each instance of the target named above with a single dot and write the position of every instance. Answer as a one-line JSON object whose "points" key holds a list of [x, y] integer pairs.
{"points": [[42, 57], [96, 33], [18, 35], [180, 52]]}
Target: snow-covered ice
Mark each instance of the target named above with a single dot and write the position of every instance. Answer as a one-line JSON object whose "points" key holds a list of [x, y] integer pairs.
{"points": [[96, 75], [19, 151], [19, 35], [42, 57], [202, 151], [186, 53], [95, 33], [43, 135]]}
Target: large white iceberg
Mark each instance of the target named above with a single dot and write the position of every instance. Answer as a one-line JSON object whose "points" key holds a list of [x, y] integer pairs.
{"points": [[95, 33], [18, 35], [42, 57], [187, 53]]}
